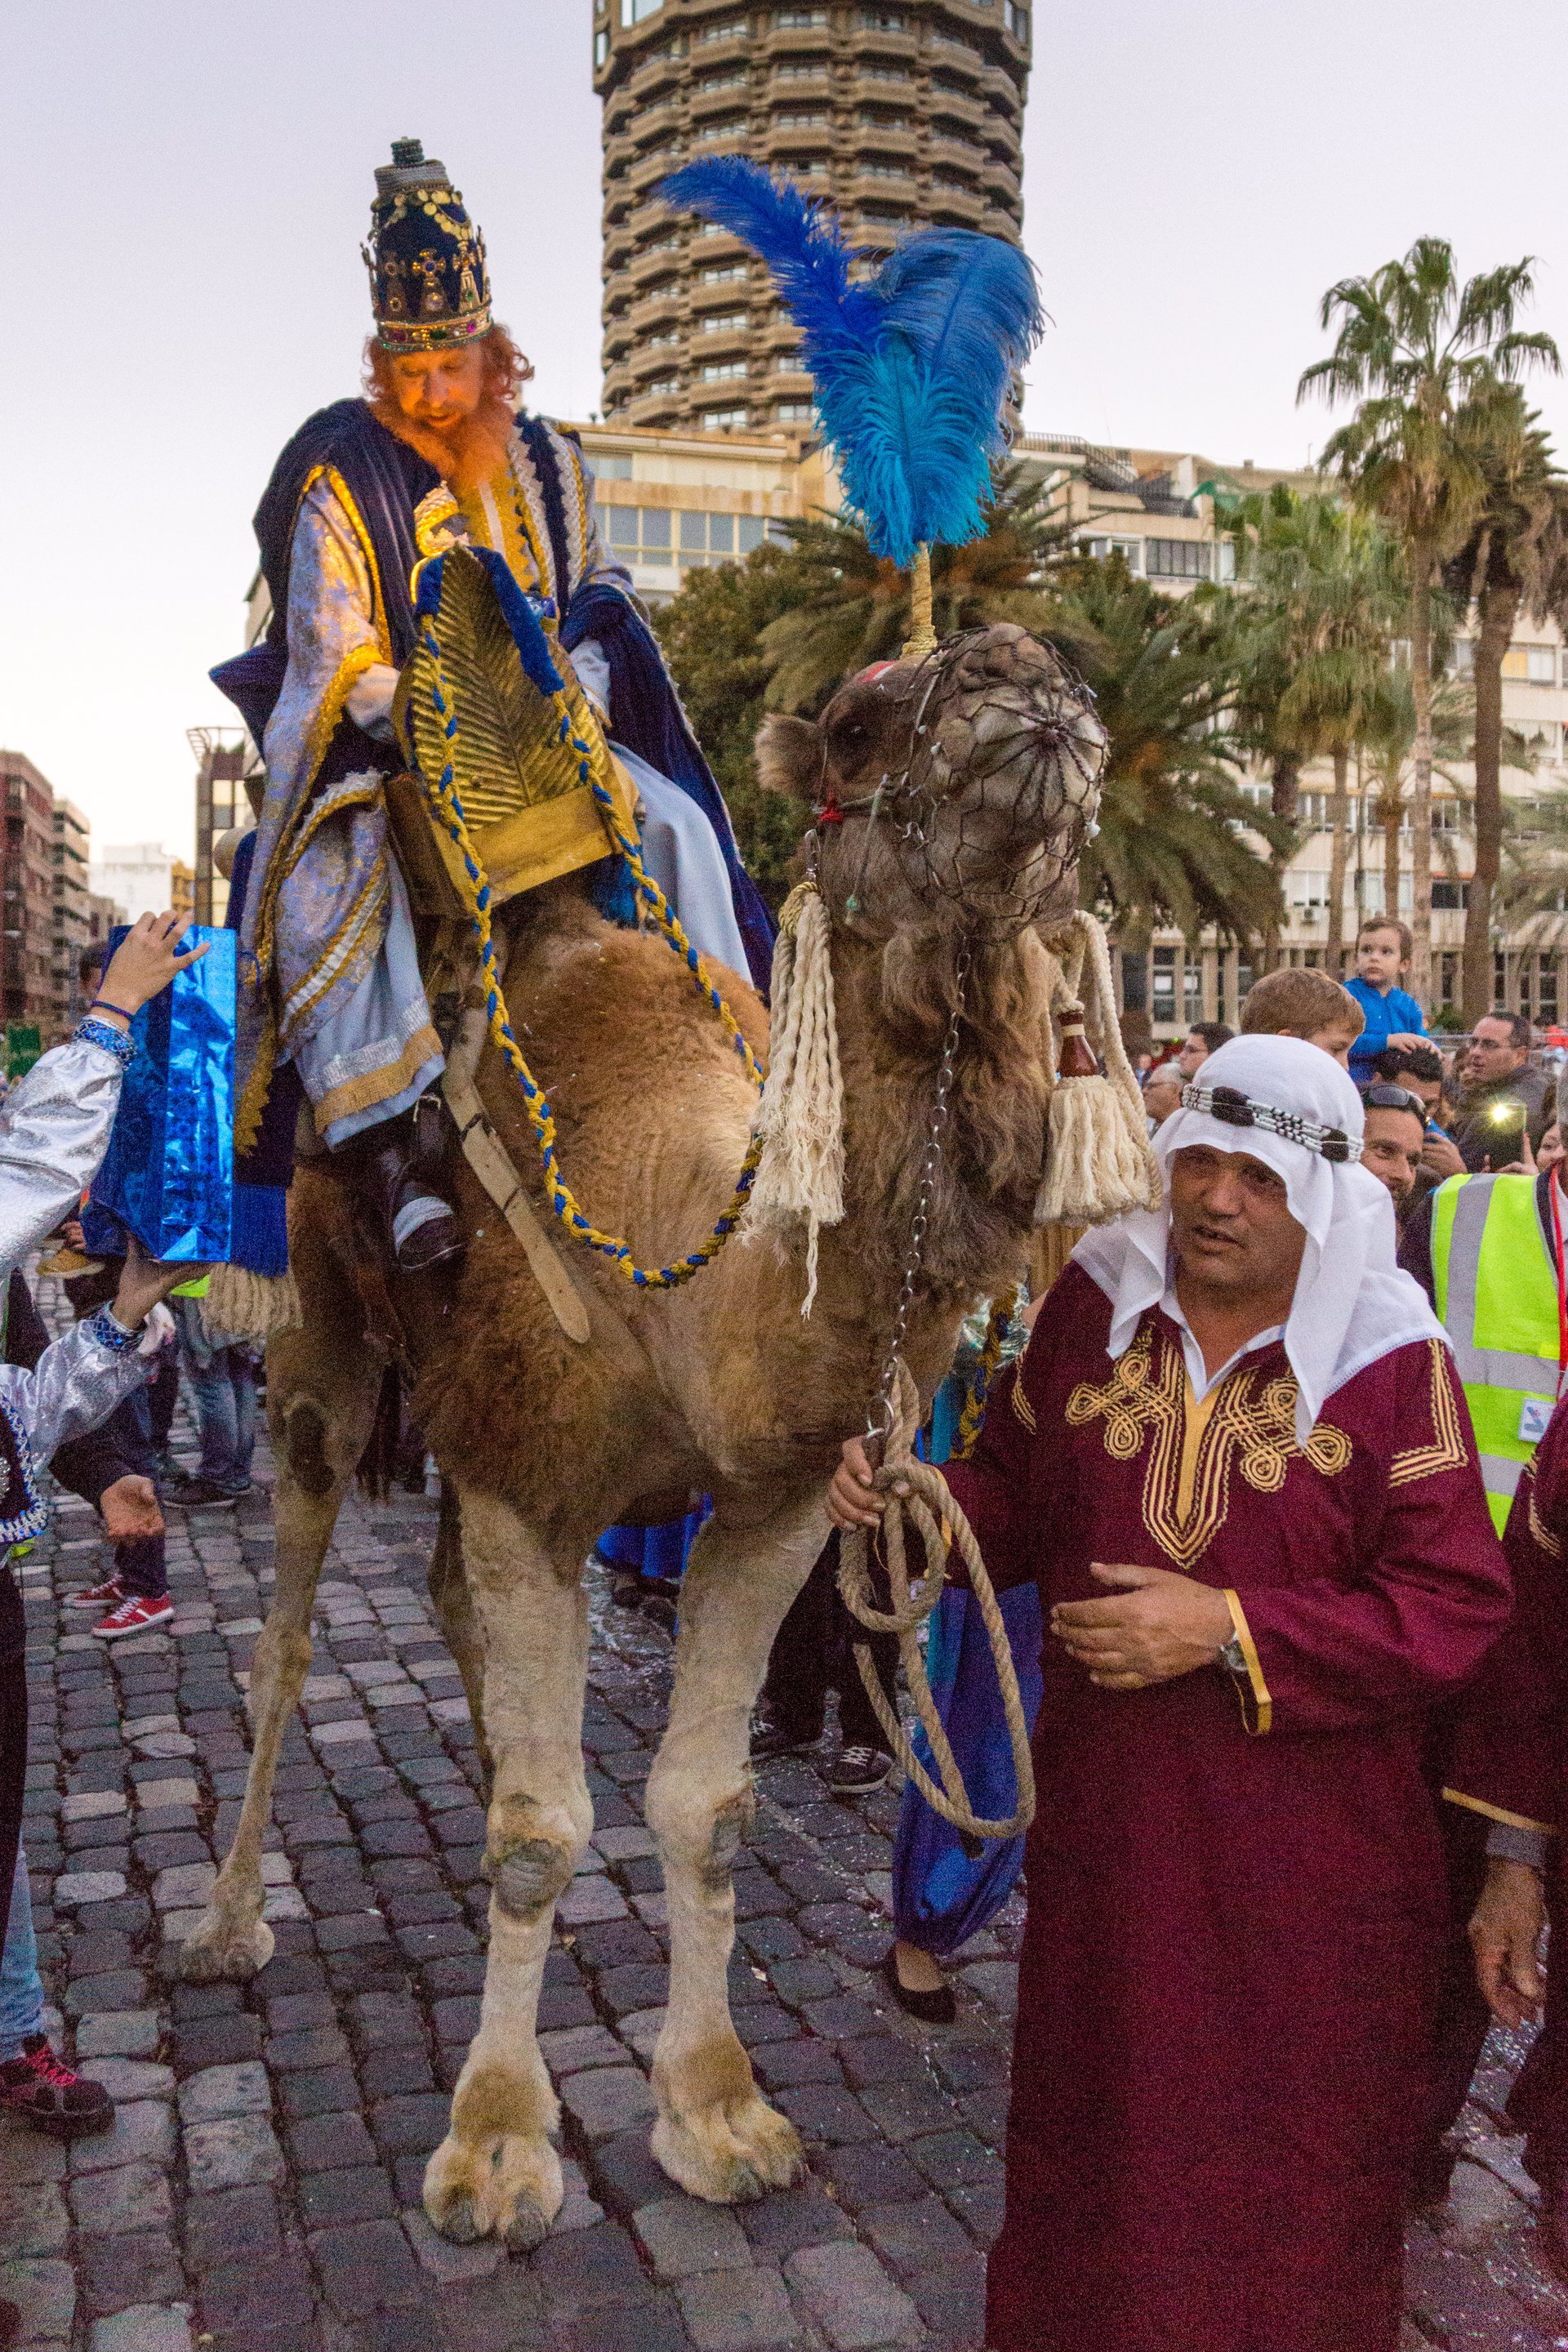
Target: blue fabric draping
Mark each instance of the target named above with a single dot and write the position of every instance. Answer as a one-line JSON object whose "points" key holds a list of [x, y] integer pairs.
{"points": [[259, 1233], [647, 716], [662, 1551], [943, 1890], [168, 1173]]}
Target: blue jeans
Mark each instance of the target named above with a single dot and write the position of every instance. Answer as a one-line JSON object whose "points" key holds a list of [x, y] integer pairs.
{"points": [[223, 1382], [21, 1987]]}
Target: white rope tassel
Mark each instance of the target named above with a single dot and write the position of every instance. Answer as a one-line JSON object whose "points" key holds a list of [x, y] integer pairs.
{"points": [[801, 1117], [1099, 1163], [253, 1307]]}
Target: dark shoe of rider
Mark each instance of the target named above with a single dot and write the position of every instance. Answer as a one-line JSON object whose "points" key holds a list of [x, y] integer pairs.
{"points": [[938, 2006], [856, 1770], [771, 1738], [47, 2092], [423, 1227]]}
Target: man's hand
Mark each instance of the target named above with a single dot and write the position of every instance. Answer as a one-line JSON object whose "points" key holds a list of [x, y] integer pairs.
{"points": [[144, 1281], [1158, 1626], [1505, 1932], [1440, 1158], [130, 1507], [854, 1499], [1403, 1038], [144, 964]]}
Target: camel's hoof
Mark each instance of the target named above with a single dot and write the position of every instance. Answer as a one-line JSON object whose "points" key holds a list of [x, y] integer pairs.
{"points": [[510, 2189], [729, 2152], [220, 1948]]}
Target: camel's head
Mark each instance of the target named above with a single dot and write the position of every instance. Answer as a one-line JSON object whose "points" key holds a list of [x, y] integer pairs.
{"points": [[966, 782]]}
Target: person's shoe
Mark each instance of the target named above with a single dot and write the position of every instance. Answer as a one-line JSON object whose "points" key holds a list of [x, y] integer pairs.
{"points": [[205, 1493], [770, 1739], [936, 2007], [98, 1596], [856, 1772], [47, 2092], [423, 1227], [138, 1612]]}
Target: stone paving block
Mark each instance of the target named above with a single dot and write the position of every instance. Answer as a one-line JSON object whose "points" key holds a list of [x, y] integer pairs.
{"points": [[44, 2292], [142, 2129], [154, 1795], [411, 2126], [218, 2091], [131, 2197], [322, 2143], [849, 2296], [92, 1805], [230, 2223], [590, 1898], [586, 2264], [133, 2078], [785, 2219], [80, 1886], [359, 2193], [223, 2041], [915, 2234], [239, 2302], [583, 2045], [141, 2267], [624, 1845], [237, 2152], [367, 2267], [731, 2311], [681, 2236], [33, 2218], [606, 2099], [145, 2327], [114, 1989], [27, 2157], [449, 2264], [117, 2033]]}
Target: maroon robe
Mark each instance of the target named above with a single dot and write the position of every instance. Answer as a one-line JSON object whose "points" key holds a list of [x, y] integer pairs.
{"points": [[1235, 1890], [1510, 1760]]}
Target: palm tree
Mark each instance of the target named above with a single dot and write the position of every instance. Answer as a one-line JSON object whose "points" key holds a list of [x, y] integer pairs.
{"points": [[1515, 558], [1386, 755], [1331, 594], [1427, 360], [855, 609], [1177, 837]]}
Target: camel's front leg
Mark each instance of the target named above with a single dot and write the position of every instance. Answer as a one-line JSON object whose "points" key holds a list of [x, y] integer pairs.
{"points": [[496, 2172], [714, 2133]]}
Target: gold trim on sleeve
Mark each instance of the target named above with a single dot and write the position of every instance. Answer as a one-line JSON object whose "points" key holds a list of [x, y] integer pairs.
{"points": [[1022, 1407], [1500, 1813], [1449, 1450], [1261, 1721], [1550, 1544]]}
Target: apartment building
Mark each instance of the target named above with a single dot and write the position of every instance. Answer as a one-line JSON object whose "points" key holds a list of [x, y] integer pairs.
{"points": [[903, 117], [27, 989], [71, 924]]}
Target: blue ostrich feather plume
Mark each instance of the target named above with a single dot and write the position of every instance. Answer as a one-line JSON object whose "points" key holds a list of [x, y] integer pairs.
{"points": [[911, 366]]}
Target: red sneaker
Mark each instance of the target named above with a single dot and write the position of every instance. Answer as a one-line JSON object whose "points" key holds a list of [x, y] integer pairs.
{"points": [[137, 1613], [47, 2091], [98, 1596]]}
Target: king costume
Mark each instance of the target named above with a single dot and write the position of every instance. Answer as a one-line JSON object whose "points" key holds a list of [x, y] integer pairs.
{"points": [[1235, 1880], [328, 938]]}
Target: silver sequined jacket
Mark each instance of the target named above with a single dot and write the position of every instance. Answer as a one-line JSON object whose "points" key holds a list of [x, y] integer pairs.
{"points": [[53, 1130]]}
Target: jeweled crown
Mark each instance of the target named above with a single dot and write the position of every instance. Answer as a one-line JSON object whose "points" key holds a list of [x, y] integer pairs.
{"points": [[429, 285]]}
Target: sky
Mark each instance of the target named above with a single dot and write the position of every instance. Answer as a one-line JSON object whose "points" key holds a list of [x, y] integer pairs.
{"points": [[188, 184]]}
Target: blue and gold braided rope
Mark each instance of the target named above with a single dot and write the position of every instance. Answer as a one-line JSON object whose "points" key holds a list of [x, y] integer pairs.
{"points": [[449, 808], [972, 1419]]}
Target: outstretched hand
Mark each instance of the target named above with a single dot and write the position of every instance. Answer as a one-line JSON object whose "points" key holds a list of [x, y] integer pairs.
{"points": [[144, 1281], [144, 964], [854, 1498], [1156, 1626]]}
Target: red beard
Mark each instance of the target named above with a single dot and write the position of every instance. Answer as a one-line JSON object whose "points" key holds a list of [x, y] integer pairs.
{"points": [[468, 453]]}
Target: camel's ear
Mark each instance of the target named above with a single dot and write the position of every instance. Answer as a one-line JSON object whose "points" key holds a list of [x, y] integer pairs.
{"points": [[789, 756]]}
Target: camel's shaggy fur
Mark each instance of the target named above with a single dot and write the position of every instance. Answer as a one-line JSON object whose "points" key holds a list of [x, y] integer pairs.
{"points": [[720, 1387]]}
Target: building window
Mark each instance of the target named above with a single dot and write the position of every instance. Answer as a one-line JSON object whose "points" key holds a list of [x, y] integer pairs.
{"points": [[641, 534], [727, 322], [800, 20], [1176, 559], [798, 121], [722, 274], [794, 412], [601, 50], [1192, 991], [662, 386], [1130, 551], [881, 20], [1546, 992], [1162, 1005], [1448, 898], [637, 12], [1535, 665], [721, 420], [724, 370], [730, 31], [730, 80], [732, 127], [1018, 21]]}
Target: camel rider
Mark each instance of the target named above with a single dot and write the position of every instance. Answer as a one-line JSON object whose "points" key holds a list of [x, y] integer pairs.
{"points": [[1490, 1252], [432, 456]]}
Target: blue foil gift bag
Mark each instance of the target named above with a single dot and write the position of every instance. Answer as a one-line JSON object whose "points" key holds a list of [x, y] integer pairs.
{"points": [[168, 1173]]}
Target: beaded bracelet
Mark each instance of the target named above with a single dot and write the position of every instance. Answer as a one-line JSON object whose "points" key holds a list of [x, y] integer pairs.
{"points": [[103, 1002], [113, 1041], [110, 1333]]}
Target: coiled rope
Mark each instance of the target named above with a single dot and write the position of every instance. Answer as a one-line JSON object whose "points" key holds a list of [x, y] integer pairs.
{"points": [[442, 797], [934, 1513]]}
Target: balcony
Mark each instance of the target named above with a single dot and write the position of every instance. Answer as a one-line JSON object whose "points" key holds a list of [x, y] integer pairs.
{"points": [[655, 311], [720, 97], [959, 155], [653, 75], [811, 127], [953, 208], [649, 170], [655, 409]]}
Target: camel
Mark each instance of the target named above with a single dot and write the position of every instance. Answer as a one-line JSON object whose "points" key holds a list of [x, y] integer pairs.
{"points": [[721, 1386]]}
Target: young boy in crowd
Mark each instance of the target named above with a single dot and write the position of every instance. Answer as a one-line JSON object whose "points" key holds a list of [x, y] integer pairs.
{"points": [[1391, 1015], [1298, 1001]]}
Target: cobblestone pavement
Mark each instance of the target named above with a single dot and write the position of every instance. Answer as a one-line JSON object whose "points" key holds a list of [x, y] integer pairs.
{"points": [[259, 2191]]}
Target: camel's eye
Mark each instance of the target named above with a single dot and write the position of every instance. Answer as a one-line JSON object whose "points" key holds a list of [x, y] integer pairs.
{"points": [[851, 739]]}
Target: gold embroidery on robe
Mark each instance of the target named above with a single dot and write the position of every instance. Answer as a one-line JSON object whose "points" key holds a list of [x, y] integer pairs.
{"points": [[1447, 1450], [1022, 1408], [1550, 1544], [1247, 1422]]}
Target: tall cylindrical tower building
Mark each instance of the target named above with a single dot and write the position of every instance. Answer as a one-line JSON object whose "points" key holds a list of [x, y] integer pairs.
{"points": [[901, 116]]}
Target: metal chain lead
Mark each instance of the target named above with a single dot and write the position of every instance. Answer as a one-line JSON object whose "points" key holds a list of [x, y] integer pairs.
{"points": [[881, 1419]]}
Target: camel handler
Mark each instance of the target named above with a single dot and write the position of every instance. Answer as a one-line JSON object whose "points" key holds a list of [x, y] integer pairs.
{"points": [[432, 457], [1236, 1459]]}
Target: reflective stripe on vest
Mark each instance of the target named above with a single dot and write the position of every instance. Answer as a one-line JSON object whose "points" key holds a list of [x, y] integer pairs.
{"points": [[1497, 1295]]}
